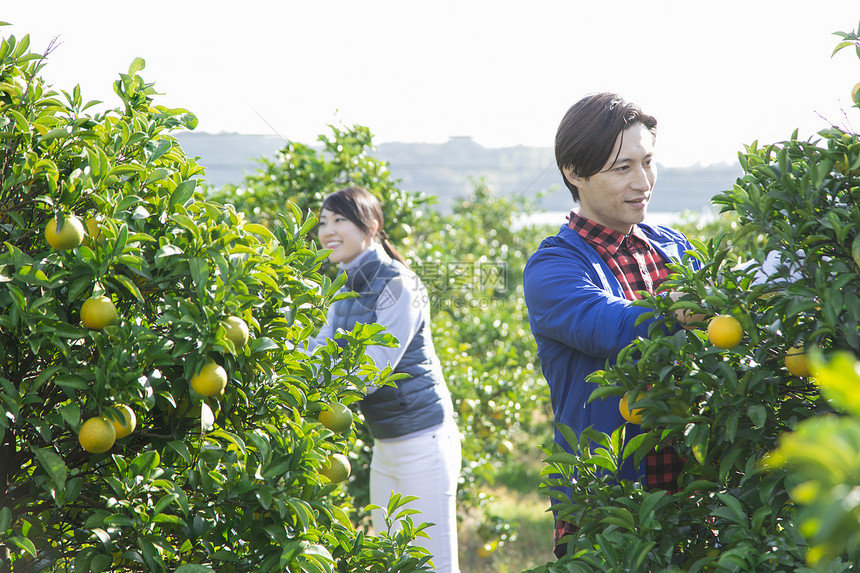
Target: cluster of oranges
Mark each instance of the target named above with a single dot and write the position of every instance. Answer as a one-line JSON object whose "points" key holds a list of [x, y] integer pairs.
{"points": [[99, 433], [338, 419]]}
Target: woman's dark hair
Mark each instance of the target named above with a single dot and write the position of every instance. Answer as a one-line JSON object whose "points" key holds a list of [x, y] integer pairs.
{"points": [[362, 207], [587, 133]]}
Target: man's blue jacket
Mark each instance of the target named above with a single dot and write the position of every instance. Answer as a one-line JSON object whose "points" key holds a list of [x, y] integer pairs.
{"points": [[580, 319]]}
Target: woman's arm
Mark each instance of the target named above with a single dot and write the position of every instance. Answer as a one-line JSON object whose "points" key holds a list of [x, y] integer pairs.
{"points": [[399, 310]]}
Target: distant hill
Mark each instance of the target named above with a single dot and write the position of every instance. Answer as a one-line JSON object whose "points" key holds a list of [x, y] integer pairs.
{"points": [[446, 170]]}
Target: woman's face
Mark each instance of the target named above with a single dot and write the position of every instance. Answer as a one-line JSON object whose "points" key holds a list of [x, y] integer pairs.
{"points": [[346, 240]]}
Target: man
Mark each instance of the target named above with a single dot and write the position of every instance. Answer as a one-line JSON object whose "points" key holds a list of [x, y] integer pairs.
{"points": [[580, 283]]}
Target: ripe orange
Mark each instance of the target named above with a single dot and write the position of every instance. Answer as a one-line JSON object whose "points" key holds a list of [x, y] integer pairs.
{"points": [[632, 416], [401, 231], [98, 312], [338, 419], [92, 224], [796, 362], [70, 235], [505, 448], [237, 331], [485, 550], [466, 406], [97, 435], [724, 331], [211, 379], [336, 469], [128, 424]]}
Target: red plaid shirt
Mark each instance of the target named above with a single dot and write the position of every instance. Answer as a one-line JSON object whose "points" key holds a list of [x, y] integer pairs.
{"points": [[638, 267]]}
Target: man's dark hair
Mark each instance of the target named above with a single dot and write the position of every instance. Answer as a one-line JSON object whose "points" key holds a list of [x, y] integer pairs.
{"points": [[587, 133]]}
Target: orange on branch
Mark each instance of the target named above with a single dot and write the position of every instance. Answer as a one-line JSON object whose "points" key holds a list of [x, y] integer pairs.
{"points": [[129, 421], [632, 416], [338, 418], [725, 331], [211, 380], [70, 235], [336, 468], [97, 435], [98, 312], [796, 362]]}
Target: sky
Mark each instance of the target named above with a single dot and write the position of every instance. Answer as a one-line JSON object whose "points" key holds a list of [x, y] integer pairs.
{"points": [[717, 75]]}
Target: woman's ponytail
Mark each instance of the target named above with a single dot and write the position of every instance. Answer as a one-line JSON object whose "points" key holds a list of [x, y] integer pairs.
{"points": [[389, 248]]}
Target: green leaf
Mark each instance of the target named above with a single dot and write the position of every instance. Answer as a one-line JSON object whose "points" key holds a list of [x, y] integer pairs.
{"points": [[194, 568], [56, 133], [136, 65], [839, 379], [54, 466], [5, 518], [302, 512], [258, 229], [758, 414], [617, 521], [735, 512], [633, 444], [129, 285], [696, 437], [263, 344], [200, 275], [182, 449], [156, 175], [24, 544], [650, 501], [183, 192], [71, 382], [603, 391]]}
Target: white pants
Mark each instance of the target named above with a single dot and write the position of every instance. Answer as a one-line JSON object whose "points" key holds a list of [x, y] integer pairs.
{"points": [[427, 466]]}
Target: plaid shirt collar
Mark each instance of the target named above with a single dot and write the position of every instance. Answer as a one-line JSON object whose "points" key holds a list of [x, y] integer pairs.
{"points": [[608, 240]]}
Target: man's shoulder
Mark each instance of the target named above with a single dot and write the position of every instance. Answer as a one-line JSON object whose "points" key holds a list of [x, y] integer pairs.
{"points": [[671, 242], [662, 233], [560, 253], [565, 243]]}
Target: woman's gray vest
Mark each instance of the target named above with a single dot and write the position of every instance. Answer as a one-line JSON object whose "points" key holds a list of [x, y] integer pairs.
{"points": [[416, 402]]}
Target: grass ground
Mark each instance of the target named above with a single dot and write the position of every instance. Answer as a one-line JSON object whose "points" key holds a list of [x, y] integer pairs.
{"points": [[531, 547], [515, 499]]}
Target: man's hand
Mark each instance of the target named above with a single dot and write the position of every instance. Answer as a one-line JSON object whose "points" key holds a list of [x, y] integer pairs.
{"points": [[685, 316]]}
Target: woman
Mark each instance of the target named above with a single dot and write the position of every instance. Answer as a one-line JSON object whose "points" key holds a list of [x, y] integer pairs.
{"points": [[416, 447]]}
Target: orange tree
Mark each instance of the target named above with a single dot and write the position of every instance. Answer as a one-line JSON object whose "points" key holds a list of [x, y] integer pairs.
{"points": [[157, 411], [822, 453], [725, 409]]}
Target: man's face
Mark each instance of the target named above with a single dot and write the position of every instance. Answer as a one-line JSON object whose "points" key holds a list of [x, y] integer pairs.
{"points": [[619, 194]]}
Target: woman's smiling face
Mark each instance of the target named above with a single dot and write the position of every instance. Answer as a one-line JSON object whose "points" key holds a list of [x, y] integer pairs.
{"points": [[344, 237]]}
